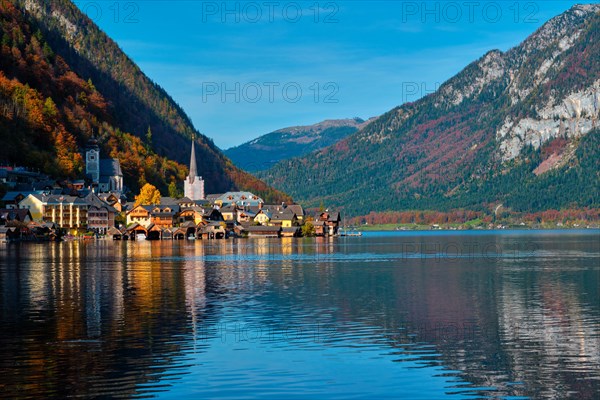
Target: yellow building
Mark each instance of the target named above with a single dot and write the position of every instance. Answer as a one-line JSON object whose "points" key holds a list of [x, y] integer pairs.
{"points": [[263, 217], [286, 218], [35, 205]]}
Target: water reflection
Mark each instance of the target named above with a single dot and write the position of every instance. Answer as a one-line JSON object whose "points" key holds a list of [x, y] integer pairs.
{"points": [[491, 315]]}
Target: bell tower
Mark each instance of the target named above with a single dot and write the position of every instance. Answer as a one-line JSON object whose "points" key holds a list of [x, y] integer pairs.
{"points": [[193, 186], [92, 160]]}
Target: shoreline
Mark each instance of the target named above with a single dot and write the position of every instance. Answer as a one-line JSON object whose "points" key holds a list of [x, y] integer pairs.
{"points": [[461, 227]]}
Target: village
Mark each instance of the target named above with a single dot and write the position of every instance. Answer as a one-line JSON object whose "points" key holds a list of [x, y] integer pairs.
{"points": [[37, 209]]}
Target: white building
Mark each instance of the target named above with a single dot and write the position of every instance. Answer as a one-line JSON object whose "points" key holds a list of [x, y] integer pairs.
{"points": [[193, 185]]}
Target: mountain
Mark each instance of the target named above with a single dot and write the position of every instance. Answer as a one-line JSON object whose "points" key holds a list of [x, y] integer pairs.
{"points": [[517, 128], [265, 151], [64, 80]]}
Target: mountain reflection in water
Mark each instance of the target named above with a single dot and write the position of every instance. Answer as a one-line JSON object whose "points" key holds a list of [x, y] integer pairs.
{"points": [[419, 315]]}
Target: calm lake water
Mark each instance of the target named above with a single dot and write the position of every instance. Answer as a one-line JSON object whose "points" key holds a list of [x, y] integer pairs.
{"points": [[398, 315]]}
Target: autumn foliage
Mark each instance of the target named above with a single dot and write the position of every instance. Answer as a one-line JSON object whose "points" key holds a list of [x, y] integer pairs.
{"points": [[48, 113], [149, 195]]}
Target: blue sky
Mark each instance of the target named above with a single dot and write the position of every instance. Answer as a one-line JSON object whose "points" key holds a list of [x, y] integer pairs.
{"points": [[241, 69]]}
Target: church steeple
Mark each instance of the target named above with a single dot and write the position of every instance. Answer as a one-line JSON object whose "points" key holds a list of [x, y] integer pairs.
{"points": [[193, 168], [193, 186]]}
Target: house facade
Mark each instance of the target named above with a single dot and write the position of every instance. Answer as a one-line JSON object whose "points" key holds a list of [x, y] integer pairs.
{"points": [[140, 215]]}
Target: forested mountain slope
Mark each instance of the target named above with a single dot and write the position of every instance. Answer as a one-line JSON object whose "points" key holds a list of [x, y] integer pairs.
{"points": [[516, 128], [64, 80]]}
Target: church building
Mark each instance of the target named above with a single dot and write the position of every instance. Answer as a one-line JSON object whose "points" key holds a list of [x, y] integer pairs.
{"points": [[105, 174], [193, 185]]}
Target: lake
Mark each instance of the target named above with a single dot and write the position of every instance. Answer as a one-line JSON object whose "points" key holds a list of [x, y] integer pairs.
{"points": [[415, 315]]}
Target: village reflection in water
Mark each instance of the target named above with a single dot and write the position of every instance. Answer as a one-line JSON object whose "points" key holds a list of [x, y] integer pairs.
{"points": [[127, 319]]}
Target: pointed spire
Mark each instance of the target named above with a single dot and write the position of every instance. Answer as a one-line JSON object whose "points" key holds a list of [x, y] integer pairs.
{"points": [[193, 168]]}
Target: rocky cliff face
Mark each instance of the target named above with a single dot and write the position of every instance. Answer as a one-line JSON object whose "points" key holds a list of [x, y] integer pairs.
{"points": [[521, 114]]}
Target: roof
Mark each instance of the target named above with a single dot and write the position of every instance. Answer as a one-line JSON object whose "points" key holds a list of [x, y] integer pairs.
{"points": [[260, 228], [95, 201], [147, 208], [18, 214], [253, 209], [297, 209], [193, 169], [168, 201], [63, 199], [265, 212], [134, 226], [110, 167], [240, 198], [332, 216], [11, 196], [50, 225], [213, 197], [105, 196], [113, 231], [174, 209], [283, 215]]}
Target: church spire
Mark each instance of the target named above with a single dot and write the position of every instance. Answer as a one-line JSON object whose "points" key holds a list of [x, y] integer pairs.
{"points": [[193, 168]]}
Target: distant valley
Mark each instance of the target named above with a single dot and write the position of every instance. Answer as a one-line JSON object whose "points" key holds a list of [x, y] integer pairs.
{"points": [[267, 150]]}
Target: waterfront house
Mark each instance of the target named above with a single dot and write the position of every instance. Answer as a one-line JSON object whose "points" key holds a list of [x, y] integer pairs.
{"points": [[263, 231], [136, 229], [320, 228], [140, 215], [12, 199], [327, 223], [164, 216], [291, 231], [100, 215], [66, 211], [189, 229], [114, 233], [229, 213], [112, 199], [210, 214], [263, 217], [286, 218], [69, 212], [213, 230], [243, 216], [12, 216], [156, 232], [194, 214]]}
